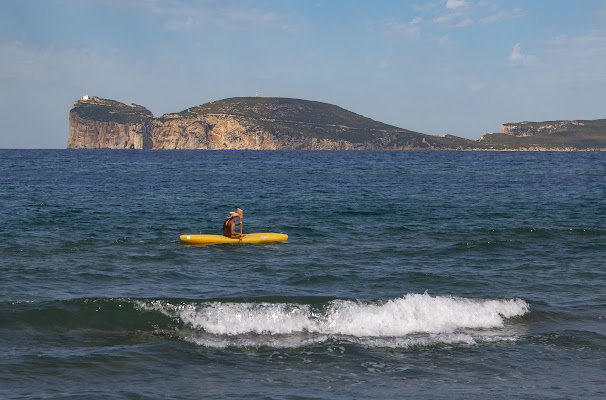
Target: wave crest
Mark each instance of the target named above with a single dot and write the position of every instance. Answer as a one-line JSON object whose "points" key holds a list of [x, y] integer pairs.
{"points": [[402, 320]]}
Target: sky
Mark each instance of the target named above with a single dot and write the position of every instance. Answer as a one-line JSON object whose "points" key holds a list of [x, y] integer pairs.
{"points": [[459, 67]]}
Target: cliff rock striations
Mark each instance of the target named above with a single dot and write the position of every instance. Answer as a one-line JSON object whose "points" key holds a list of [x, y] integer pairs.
{"points": [[549, 135], [96, 123], [259, 123], [254, 123]]}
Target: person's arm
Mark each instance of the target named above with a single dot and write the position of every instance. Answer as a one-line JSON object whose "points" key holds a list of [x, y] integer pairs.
{"points": [[232, 229]]}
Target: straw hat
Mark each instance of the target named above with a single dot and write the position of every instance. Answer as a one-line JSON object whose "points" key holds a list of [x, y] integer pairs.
{"points": [[232, 215]]}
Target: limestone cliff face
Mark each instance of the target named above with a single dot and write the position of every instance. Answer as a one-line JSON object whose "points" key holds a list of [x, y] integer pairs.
{"points": [[88, 134], [239, 124], [210, 132], [524, 129], [178, 134], [96, 123], [221, 132]]}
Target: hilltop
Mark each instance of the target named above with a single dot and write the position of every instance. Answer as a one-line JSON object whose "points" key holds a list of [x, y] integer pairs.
{"points": [[104, 110], [304, 119]]}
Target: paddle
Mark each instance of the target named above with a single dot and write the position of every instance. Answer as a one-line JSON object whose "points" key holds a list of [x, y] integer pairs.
{"points": [[240, 214]]}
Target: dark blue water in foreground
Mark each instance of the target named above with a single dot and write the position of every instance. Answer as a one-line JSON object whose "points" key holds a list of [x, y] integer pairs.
{"points": [[406, 275]]}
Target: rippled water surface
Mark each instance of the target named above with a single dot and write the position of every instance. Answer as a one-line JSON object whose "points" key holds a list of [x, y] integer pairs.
{"points": [[406, 275]]}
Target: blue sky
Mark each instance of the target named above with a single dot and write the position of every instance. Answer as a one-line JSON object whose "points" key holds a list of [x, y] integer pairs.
{"points": [[461, 67]]}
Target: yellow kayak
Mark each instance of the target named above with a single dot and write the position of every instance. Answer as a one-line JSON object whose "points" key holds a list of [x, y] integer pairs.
{"points": [[264, 237]]}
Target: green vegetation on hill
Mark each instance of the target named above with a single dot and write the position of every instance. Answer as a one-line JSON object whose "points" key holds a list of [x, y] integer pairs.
{"points": [[502, 141], [577, 127], [562, 135], [284, 117], [104, 110], [288, 110]]}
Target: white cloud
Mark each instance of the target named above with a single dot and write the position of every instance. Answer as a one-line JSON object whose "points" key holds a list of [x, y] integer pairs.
{"points": [[502, 16], [180, 26], [410, 29], [455, 20], [453, 4], [517, 58], [459, 13]]}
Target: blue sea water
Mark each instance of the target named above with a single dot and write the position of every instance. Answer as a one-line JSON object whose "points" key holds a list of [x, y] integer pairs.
{"points": [[406, 275]]}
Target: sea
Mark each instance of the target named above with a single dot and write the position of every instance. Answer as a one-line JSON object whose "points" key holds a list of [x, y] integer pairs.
{"points": [[406, 275]]}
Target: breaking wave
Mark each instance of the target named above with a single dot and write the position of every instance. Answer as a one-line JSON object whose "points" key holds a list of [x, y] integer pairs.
{"points": [[413, 320]]}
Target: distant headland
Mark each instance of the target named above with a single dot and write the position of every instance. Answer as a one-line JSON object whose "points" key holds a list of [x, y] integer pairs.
{"points": [[262, 123]]}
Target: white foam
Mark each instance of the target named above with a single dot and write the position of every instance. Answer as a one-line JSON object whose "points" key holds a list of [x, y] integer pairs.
{"points": [[415, 319]]}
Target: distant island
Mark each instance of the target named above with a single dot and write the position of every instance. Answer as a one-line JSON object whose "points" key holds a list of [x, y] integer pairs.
{"points": [[262, 123]]}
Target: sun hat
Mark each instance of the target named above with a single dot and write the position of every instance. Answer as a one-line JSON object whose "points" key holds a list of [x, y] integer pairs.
{"points": [[232, 215]]}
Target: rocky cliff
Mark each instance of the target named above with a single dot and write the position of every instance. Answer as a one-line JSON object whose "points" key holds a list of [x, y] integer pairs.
{"points": [[258, 123], [96, 123], [242, 123], [549, 135], [523, 129]]}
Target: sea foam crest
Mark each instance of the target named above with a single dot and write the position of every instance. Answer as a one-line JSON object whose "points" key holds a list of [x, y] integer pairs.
{"points": [[409, 315]]}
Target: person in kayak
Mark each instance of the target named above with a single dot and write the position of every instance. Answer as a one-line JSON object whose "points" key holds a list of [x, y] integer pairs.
{"points": [[229, 226]]}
